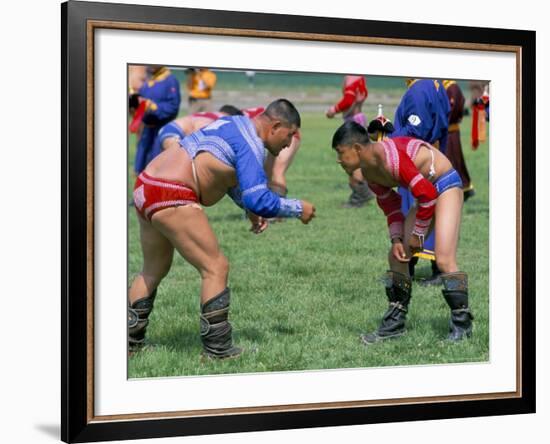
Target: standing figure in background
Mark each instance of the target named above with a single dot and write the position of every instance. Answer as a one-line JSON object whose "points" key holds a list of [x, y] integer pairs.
{"points": [[355, 92], [454, 145], [137, 76], [200, 84], [479, 127], [159, 97], [480, 115], [423, 113], [250, 75]]}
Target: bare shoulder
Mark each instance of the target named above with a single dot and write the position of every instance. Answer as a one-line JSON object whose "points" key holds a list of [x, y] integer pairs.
{"points": [[180, 121], [378, 153]]}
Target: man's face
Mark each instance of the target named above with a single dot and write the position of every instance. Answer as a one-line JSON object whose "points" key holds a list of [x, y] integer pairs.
{"points": [[153, 69], [279, 137], [347, 158]]}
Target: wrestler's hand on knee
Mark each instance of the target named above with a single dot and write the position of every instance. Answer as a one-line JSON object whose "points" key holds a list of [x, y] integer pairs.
{"points": [[308, 212], [398, 251]]}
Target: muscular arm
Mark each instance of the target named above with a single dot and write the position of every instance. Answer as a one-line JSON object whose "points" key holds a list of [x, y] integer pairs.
{"points": [[390, 203], [170, 134], [256, 196]]}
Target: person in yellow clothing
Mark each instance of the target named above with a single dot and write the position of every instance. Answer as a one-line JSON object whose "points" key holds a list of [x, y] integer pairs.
{"points": [[200, 83]]}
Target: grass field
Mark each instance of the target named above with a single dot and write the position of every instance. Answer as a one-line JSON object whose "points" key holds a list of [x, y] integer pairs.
{"points": [[302, 295]]}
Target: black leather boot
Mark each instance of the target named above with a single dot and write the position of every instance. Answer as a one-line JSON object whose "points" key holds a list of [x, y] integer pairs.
{"points": [[216, 330], [412, 265], [138, 319], [455, 291], [360, 195], [398, 291]]}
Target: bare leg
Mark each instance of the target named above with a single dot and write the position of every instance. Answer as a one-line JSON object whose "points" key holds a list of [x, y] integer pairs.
{"points": [[190, 233], [447, 216], [157, 259], [356, 178], [276, 167], [455, 283], [188, 230], [360, 192], [398, 289]]}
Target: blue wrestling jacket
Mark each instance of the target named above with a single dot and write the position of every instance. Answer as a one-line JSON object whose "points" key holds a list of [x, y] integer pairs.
{"points": [[164, 91], [423, 113], [233, 140], [168, 131]]}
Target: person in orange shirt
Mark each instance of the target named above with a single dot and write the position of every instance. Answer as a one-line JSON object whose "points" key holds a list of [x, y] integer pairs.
{"points": [[200, 83]]}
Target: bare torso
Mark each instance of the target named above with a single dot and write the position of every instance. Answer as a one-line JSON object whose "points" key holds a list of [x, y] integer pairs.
{"points": [[375, 170], [213, 177], [190, 124]]}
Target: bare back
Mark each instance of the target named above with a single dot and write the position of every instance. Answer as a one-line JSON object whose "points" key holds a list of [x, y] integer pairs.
{"points": [[190, 124]]}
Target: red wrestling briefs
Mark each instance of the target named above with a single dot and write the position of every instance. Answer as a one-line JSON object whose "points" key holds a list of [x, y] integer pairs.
{"points": [[152, 195]]}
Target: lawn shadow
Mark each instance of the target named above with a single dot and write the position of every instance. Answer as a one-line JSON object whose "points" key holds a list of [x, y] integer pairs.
{"points": [[251, 334], [187, 339], [180, 339], [236, 216], [440, 326]]}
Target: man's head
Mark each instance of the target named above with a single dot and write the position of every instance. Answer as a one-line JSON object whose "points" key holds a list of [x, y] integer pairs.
{"points": [[231, 110], [348, 140], [154, 69], [278, 124]]}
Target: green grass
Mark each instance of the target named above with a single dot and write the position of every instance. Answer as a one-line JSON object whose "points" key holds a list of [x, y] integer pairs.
{"points": [[302, 295]]}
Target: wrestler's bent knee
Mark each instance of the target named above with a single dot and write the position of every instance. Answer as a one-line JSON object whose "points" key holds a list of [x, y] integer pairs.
{"points": [[446, 264]]}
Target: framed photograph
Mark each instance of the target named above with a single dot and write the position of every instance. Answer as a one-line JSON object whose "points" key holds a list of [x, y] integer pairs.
{"points": [[308, 328]]}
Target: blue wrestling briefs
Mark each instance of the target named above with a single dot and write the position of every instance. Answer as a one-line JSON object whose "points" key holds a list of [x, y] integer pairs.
{"points": [[448, 180]]}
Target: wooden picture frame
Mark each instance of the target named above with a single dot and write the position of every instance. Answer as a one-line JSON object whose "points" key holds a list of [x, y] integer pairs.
{"points": [[80, 20]]}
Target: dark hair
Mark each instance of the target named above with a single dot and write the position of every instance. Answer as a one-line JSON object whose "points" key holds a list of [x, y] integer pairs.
{"points": [[349, 133], [231, 110], [285, 111]]}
